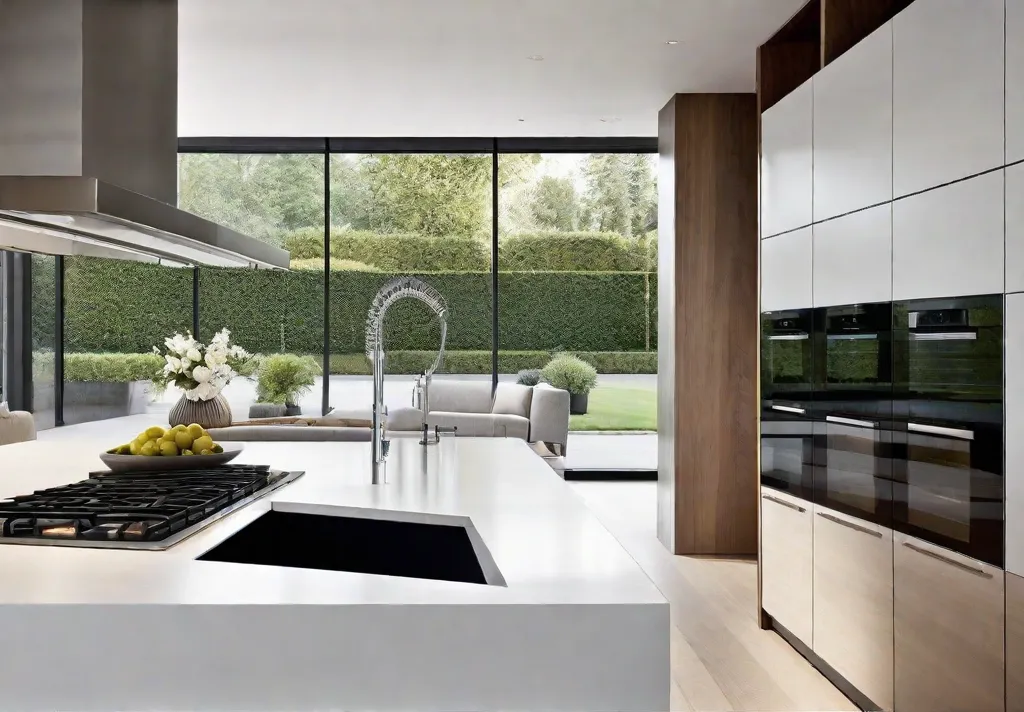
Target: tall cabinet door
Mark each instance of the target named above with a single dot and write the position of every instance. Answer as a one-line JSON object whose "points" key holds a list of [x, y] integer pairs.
{"points": [[1014, 643], [787, 562], [853, 601], [1013, 319], [947, 92], [853, 128], [949, 629], [1014, 80], [786, 163]]}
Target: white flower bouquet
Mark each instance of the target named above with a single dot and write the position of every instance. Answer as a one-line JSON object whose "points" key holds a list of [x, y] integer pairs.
{"points": [[202, 371]]}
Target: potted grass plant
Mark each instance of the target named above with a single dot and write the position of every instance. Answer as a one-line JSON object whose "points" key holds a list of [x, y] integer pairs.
{"points": [[281, 379], [573, 374]]}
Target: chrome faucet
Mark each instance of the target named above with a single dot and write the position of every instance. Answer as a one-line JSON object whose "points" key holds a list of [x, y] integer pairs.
{"points": [[393, 291]]}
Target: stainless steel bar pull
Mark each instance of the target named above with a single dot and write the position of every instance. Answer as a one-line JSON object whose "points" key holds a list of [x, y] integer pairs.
{"points": [[850, 525], [945, 560], [789, 409], [850, 421], [783, 502], [957, 433]]}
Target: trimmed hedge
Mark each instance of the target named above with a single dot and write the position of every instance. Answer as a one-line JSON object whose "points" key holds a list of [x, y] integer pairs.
{"points": [[479, 362], [117, 368], [571, 251]]}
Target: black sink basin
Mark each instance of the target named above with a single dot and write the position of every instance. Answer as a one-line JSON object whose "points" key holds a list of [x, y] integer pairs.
{"points": [[368, 546]]}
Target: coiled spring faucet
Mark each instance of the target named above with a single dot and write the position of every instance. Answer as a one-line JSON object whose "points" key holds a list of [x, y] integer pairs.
{"points": [[393, 291]]}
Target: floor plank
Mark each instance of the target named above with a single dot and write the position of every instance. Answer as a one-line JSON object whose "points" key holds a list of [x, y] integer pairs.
{"points": [[721, 660]]}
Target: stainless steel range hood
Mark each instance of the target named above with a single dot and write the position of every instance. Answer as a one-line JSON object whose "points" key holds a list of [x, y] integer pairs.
{"points": [[88, 137]]}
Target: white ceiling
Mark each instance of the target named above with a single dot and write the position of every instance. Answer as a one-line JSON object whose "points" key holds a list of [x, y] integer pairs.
{"points": [[458, 67]]}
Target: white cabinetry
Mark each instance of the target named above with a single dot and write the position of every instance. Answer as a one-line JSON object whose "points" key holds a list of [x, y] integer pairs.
{"points": [[786, 163], [1015, 227], [949, 630], [786, 267], [853, 128], [947, 92], [1014, 80], [853, 258], [949, 241], [787, 564], [853, 601], [1013, 330]]}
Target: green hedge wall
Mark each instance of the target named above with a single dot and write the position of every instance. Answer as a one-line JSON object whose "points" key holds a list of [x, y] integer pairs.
{"points": [[479, 362], [130, 307], [573, 251]]}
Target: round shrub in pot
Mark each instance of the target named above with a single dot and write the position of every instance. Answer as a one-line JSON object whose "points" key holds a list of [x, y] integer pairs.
{"points": [[572, 374], [284, 378], [528, 377]]}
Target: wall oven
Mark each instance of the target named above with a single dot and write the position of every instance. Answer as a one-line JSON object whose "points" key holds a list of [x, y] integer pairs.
{"points": [[787, 376], [948, 423], [853, 436]]}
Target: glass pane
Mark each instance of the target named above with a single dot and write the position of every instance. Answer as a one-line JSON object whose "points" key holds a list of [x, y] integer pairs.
{"points": [[115, 312], [278, 199], [427, 215], [44, 322], [577, 259]]}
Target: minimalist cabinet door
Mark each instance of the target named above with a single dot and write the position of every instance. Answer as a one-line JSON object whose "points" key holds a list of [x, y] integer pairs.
{"points": [[947, 92], [949, 630], [853, 258], [949, 241], [1014, 643], [786, 168], [1013, 405], [786, 271], [1014, 80], [786, 562], [853, 601], [1015, 225], [853, 128]]}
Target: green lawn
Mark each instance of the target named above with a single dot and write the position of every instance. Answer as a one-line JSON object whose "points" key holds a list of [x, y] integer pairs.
{"points": [[619, 408]]}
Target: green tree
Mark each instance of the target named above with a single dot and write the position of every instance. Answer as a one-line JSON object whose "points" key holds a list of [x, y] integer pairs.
{"points": [[606, 207], [643, 191], [556, 205]]}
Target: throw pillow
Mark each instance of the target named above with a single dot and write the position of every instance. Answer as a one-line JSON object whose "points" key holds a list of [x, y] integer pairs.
{"points": [[512, 399]]}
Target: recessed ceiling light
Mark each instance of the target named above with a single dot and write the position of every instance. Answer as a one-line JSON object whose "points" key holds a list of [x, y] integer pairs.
{"points": [[522, 120], [611, 120], [536, 58], [671, 42]]}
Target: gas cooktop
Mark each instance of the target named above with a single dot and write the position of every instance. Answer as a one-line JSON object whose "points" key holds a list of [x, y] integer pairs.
{"points": [[124, 510]]}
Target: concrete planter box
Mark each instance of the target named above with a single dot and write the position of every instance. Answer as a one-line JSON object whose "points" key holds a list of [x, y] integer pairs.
{"points": [[85, 401]]}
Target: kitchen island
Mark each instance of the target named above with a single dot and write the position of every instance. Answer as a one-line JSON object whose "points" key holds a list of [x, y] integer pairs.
{"points": [[566, 621]]}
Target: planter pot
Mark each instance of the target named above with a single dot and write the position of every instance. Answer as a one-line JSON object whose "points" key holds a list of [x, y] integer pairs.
{"points": [[215, 413], [86, 401], [291, 409], [266, 410], [578, 403]]}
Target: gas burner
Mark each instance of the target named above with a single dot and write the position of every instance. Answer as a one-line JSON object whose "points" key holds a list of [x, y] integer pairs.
{"points": [[134, 510]]}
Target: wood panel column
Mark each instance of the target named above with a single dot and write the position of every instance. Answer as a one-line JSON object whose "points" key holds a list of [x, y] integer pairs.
{"points": [[707, 324]]}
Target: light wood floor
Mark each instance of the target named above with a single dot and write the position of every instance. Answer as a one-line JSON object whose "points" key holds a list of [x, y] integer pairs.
{"points": [[721, 660]]}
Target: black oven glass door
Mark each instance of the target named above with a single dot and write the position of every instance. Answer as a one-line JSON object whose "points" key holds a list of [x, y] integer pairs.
{"points": [[787, 431], [853, 432], [948, 477]]}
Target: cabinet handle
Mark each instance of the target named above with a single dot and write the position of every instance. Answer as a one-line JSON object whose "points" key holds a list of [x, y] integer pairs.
{"points": [[850, 525], [951, 562], [789, 409], [783, 502], [958, 433], [849, 421]]}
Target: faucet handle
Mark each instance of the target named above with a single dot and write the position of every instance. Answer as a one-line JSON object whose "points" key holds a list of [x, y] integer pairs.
{"points": [[385, 446]]}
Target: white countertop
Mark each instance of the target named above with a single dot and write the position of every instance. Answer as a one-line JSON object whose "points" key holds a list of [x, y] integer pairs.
{"points": [[548, 546]]}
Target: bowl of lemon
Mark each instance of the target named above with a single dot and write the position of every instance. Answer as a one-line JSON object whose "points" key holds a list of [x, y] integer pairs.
{"points": [[156, 449]]}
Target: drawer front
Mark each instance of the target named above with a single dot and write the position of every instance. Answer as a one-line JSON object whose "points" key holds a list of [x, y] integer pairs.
{"points": [[853, 601], [949, 629], [1014, 643], [786, 562]]}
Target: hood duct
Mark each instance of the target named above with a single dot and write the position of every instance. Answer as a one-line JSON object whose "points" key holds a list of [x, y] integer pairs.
{"points": [[88, 137]]}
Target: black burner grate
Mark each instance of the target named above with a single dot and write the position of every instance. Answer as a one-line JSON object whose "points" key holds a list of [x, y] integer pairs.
{"points": [[131, 506]]}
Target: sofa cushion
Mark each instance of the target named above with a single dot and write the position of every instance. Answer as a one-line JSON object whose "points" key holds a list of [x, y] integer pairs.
{"points": [[476, 425], [512, 399], [289, 433], [511, 426], [405, 418], [460, 396]]}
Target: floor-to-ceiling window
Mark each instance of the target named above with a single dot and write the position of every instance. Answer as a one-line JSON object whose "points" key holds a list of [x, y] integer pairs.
{"points": [[44, 346]]}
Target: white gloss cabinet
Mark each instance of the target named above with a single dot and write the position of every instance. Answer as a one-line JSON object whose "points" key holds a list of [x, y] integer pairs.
{"points": [[1015, 227], [1013, 405], [852, 258], [853, 128], [949, 241], [853, 593], [786, 162], [948, 630], [1014, 80], [947, 92], [786, 271], [787, 564]]}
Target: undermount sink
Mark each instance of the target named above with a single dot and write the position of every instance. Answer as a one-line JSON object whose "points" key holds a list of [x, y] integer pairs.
{"points": [[362, 544]]}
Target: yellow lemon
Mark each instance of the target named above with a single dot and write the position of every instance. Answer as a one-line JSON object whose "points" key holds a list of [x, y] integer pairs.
{"points": [[203, 443], [217, 449], [134, 447], [155, 432], [196, 430], [168, 449], [206, 452], [149, 449], [183, 439], [178, 428], [187, 452]]}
